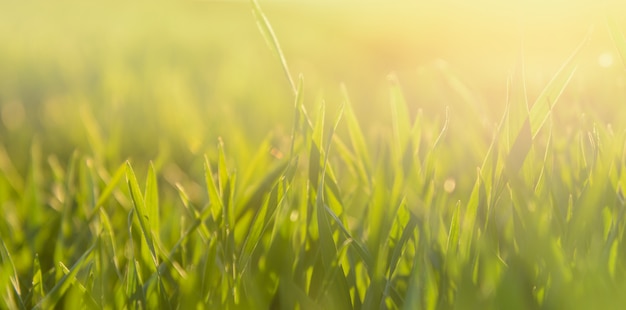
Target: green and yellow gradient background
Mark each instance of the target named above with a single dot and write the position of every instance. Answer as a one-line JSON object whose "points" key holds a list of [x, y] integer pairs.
{"points": [[148, 80]]}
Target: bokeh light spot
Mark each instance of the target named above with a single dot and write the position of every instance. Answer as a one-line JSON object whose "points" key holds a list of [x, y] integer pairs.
{"points": [[605, 59], [449, 185]]}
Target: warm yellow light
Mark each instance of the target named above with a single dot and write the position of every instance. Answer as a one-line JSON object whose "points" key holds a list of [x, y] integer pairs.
{"points": [[605, 59]]}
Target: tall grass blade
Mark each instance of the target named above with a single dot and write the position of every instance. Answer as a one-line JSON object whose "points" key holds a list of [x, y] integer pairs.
{"points": [[542, 108], [272, 41], [550, 95], [108, 190], [618, 38], [140, 211], [13, 275], [61, 287], [38, 289], [215, 198], [399, 115], [357, 139], [151, 197]]}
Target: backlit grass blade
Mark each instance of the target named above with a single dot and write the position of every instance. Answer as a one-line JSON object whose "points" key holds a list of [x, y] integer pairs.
{"points": [[198, 222], [399, 250], [272, 41], [64, 237], [296, 114], [108, 230], [38, 289], [444, 130], [415, 297], [33, 191], [471, 216], [214, 194], [327, 243], [453, 235], [140, 211], [517, 101], [151, 197], [357, 139], [254, 197], [318, 127], [108, 189], [541, 110], [259, 226], [90, 300], [222, 169], [329, 252], [550, 95], [13, 275], [399, 115], [57, 292], [315, 153], [225, 186], [618, 38], [360, 248]]}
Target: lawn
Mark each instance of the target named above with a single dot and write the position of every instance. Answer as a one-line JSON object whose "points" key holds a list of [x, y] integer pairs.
{"points": [[312, 155]]}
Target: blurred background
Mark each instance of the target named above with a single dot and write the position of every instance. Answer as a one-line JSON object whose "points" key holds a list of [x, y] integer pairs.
{"points": [[147, 80]]}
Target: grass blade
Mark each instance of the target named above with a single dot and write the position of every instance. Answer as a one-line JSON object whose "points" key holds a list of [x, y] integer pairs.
{"points": [[546, 101], [14, 278], [272, 41], [140, 211], [541, 109], [61, 287], [152, 201], [38, 290], [618, 38]]}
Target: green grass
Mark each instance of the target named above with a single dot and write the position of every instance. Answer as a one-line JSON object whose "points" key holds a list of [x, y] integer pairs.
{"points": [[139, 189]]}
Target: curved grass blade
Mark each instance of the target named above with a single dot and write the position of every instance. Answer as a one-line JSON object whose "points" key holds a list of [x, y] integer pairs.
{"points": [[108, 190], [14, 278], [90, 300], [541, 110], [61, 287], [544, 104], [152, 201], [140, 211], [272, 41]]}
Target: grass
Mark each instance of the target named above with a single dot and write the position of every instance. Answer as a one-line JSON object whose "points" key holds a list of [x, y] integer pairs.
{"points": [[211, 207]]}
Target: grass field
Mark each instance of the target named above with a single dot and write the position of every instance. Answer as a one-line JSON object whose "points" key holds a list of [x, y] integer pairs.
{"points": [[301, 155]]}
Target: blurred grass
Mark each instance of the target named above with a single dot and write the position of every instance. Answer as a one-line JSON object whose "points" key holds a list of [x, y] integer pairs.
{"points": [[174, 69], [383, 203]]}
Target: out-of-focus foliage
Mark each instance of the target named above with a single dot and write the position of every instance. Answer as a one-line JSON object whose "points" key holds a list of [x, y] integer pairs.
{"points": [[155, 155]]}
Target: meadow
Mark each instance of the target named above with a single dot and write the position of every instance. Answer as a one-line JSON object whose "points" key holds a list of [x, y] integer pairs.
{"points": [[301, 155]]}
